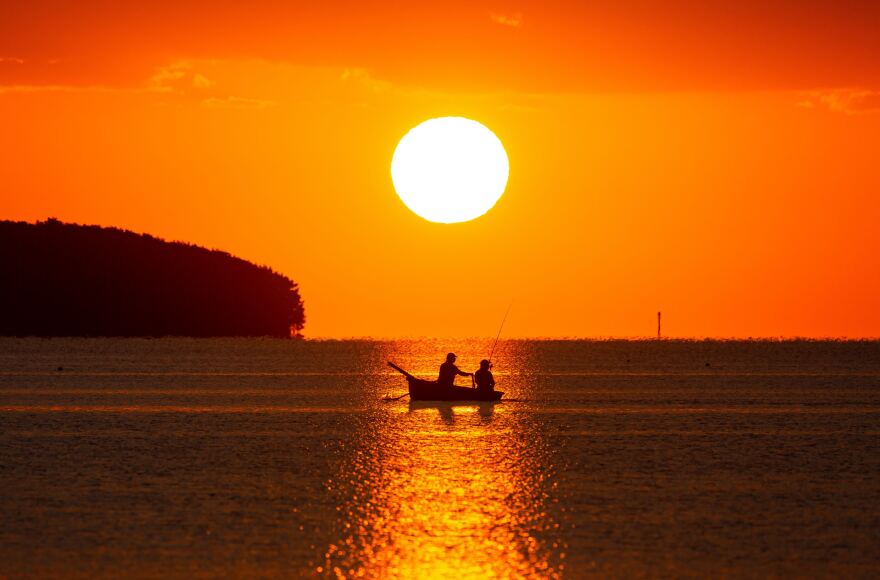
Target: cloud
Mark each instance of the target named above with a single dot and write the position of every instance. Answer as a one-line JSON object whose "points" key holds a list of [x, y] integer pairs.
{"points": [[519, 108], [237, 103], [848, 101], [202, 82], [648, 47], [178, 77], [514, 20], [363, 77], [164, 79], [25, 89]]}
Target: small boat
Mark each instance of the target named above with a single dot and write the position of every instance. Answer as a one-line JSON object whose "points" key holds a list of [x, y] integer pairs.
{"points": [[422, 390]]}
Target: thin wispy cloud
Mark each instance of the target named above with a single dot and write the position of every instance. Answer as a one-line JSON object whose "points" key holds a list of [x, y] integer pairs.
{"points": [[237, 103], [519, 108], [363, 77], [166, 78], [177, 78], [512, 20], [25, 89], [202, 82], [848, 101]]}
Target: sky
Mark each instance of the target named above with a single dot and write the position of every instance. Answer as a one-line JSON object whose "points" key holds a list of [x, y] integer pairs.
{"points": [[716, 161]]}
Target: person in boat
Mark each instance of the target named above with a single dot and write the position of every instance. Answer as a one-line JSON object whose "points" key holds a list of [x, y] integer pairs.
{"points": [[448, 371], [484, 378]]}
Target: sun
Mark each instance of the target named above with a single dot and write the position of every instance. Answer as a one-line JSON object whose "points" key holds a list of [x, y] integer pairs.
{"points": [[450, 169]]}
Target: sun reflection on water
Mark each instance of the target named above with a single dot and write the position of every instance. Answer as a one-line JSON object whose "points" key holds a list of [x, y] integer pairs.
{"points": [[443, 490]]}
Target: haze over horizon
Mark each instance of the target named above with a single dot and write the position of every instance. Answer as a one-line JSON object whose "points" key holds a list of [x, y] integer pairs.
{"points": [[716, 163]]}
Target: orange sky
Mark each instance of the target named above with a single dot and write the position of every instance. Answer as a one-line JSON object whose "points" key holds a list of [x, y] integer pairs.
{"points": [[721, 163]]}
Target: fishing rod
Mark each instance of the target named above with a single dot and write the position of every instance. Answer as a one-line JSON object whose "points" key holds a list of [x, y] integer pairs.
{"points": [[503, 320]]}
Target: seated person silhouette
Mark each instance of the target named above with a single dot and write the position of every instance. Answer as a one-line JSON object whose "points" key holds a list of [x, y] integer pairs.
{"points": [[448, 371], [484, 378]]}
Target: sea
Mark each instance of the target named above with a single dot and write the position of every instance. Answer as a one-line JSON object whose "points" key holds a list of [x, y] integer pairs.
{"points": [[261, 458]]}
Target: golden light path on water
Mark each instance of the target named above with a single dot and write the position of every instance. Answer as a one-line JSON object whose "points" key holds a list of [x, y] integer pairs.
{"points": [[446, 490]]}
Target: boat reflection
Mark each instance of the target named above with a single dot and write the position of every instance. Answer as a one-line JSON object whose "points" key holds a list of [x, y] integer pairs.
{"points": [[446, 410], [447, 490]]}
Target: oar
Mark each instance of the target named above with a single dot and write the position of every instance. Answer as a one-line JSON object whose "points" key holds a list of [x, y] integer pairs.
{"points": [[400, 370], [404, 373], [395, 398]]}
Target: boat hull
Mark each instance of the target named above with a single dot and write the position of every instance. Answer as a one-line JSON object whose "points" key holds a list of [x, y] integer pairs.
{"points": [[421, 390]]}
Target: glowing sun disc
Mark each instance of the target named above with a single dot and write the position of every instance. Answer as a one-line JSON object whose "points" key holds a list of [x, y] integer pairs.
{"points": [[449, 169]]}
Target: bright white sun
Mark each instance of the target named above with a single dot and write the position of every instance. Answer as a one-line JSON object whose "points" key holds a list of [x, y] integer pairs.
{"points": [[449, 170]]}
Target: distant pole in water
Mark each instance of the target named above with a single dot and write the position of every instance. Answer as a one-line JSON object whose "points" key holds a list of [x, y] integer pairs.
{"points": [[658, 325]]}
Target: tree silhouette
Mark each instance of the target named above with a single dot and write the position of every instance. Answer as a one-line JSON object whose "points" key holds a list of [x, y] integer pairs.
{"points": [[60, 279]]}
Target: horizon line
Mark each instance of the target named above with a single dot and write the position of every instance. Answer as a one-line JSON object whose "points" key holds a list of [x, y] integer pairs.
{"points": [[598, 338]]}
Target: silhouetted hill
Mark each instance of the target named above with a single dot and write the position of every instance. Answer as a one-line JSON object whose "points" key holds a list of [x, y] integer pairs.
{"points": [[61, 279]]}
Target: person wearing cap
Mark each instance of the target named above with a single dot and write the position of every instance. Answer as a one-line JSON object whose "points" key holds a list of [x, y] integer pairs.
{"points": [[484, 378], [448, 371]]}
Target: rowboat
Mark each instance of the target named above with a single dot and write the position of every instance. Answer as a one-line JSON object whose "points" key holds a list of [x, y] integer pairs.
{"points": [[422, 390]]}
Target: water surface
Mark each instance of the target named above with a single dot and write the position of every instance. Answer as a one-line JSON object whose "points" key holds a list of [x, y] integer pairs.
{"points": [[266, 458]]}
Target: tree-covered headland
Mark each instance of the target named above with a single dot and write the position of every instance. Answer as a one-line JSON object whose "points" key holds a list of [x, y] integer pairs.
{"points": [[59, 279]]}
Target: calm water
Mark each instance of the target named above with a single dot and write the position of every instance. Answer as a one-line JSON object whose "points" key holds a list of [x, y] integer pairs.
{"points": [[261, 458]]}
